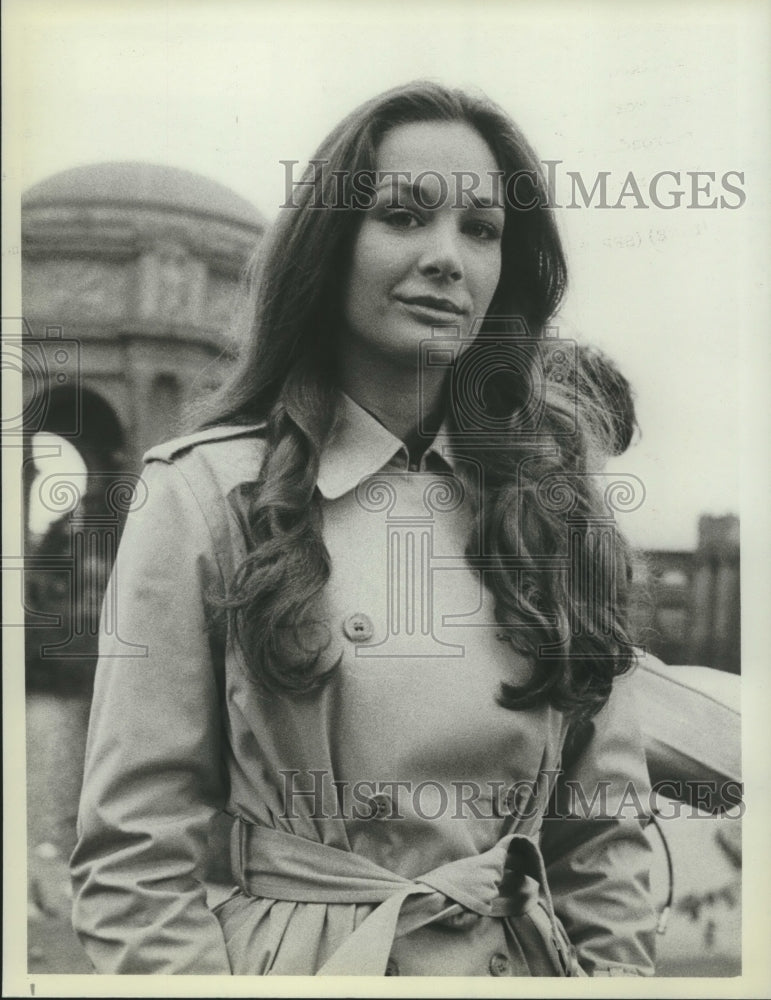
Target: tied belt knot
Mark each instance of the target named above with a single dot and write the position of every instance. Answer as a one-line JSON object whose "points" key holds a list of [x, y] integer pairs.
{"points": [[503, 881]]}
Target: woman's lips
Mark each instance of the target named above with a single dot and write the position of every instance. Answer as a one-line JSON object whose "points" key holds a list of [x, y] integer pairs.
{"points": [[433, 311]]}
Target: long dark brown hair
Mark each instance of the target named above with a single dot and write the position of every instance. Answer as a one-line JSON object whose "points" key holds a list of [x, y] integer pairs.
{"points": [[286, 376]]}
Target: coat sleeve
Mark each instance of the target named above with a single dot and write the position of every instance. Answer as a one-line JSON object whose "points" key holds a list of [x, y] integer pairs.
{"points": [[153, 771], [595, 849]]}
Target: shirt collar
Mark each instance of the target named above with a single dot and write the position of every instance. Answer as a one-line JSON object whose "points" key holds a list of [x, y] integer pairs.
{"points": [[360, 445]]}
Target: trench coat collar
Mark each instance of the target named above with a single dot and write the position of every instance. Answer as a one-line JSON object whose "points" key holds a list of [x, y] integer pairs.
{"points": [[360, 446]]}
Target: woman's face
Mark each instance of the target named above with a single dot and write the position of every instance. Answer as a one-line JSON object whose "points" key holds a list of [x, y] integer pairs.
{"points": [[415, 267]]}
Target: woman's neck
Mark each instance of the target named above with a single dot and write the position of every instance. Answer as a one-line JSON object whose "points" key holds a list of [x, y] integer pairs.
{"points": [[395, 396]]}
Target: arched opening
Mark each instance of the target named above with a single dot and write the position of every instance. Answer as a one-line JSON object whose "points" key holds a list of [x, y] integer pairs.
{"points": [[98, 432], [73, 465], [58, 469]]}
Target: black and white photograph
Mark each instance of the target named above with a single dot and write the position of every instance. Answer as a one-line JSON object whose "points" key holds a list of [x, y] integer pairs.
{"points": [[385, 461]]}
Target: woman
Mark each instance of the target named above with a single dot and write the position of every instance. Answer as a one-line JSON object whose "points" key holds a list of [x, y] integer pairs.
{"points": [[401, 670]]}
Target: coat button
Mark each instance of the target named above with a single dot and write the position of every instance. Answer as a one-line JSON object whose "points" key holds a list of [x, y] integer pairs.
{"points": [[381, 806], [358, 627], [499, 965], [391, 969]]}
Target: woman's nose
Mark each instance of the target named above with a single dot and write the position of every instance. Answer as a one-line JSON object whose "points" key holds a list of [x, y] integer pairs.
{"points": [[441, 257]]}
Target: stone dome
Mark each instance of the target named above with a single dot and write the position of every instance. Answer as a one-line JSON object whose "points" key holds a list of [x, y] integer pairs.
{"points": [[135, 184]]}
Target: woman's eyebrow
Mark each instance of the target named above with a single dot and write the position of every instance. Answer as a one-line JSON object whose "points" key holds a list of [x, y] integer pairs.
{"points": [[396, 181], [398, 184], [491, 204]]}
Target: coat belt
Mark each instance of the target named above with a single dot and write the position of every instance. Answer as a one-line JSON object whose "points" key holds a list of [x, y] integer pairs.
{"points": [[503, 881]]}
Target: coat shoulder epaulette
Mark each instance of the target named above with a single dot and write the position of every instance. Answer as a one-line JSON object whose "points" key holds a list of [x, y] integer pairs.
{"points": [[169, 451]]}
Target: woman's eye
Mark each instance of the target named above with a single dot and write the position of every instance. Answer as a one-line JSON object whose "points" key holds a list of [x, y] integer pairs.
{"points": [[401, 218], [483, 231]]}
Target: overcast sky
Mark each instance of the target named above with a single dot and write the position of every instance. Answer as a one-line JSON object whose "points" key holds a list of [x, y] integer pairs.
{"points": [[229, 89]]}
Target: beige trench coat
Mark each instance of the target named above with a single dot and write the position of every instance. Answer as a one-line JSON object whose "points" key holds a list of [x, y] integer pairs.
{"points": [[377, 818]]}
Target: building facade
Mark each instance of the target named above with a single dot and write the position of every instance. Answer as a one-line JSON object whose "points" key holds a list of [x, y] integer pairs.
{"points": [[131, 278]]}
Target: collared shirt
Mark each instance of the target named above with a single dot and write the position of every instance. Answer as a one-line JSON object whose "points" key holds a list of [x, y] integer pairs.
{"points": [[404, 758], [361, 446]]}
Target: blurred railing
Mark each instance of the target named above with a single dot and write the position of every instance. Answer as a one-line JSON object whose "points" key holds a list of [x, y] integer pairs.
{"points": [[686, 605]]}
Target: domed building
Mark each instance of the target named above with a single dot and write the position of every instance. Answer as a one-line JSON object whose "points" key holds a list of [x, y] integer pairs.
{"points": [[130, 277], [130, 281]]}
